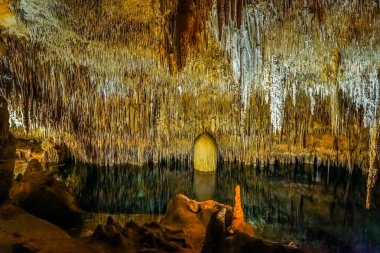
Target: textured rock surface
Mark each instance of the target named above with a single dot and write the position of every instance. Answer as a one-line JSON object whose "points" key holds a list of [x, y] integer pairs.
{"points": [[40, 194], [191, 217], [23, 232]]}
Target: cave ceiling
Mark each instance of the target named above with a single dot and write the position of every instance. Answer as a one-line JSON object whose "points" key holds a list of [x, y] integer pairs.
{"points": [[127, 81]]}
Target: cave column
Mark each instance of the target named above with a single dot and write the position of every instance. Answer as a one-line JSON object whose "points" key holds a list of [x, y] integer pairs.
{"points": [[7, 152]]}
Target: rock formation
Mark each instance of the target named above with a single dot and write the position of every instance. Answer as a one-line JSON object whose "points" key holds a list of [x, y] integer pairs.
{"points": [[188, 226], [238, 221], [40, 194]]}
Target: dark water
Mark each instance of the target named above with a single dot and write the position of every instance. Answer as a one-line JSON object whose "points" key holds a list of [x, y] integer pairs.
{"points": [[317, 207]]}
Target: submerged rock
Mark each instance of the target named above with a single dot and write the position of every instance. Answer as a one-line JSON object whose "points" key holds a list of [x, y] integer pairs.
{"points": [[40, 194]]}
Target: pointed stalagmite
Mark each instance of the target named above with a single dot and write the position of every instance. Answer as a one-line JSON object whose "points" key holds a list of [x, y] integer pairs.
{"points": [[238, 222], [238, 218]]}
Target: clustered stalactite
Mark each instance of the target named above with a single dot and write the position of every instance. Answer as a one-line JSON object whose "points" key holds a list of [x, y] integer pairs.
{"points": [[131, 83]]}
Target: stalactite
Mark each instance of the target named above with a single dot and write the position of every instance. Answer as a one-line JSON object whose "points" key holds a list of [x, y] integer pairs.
{"points": [[233, 9], [239, 13], [127, 83], [221, 16]]}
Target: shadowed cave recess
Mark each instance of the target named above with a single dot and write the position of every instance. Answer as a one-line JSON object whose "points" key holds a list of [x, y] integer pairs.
{"points": [[212, 92]]}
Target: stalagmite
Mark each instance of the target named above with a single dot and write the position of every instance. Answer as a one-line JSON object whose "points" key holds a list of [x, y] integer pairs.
{"points": [[238, 215], [238, 221]]}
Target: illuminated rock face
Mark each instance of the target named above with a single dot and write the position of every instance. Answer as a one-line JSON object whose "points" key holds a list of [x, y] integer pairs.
{"points": [[205, 153]]}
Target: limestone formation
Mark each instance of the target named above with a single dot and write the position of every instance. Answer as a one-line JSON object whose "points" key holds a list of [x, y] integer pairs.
{"points": [[238, 221]]}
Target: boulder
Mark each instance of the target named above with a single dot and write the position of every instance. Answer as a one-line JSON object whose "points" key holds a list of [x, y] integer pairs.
{"points": [[191, 218], [40, 194], [150, 237]]}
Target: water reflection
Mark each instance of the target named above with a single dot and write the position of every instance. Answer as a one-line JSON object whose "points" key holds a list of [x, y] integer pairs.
{"points": [[204, 185], [315, 205]]}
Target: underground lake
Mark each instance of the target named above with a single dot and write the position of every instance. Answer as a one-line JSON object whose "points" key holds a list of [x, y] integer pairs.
{"points": [[313, 205]]}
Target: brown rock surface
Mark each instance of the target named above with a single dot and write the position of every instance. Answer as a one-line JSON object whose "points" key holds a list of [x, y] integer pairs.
{"points": [[191, 217], [23, 232], [182, 229], [40, 194]]}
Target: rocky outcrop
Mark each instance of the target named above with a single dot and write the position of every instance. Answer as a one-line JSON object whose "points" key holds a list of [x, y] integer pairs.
{"points": [[150, 237], [7, 151], [191, 217], [212, 227], [23, 232], [40, 194], [188, 226]]}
